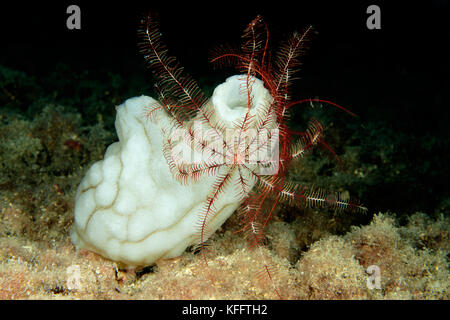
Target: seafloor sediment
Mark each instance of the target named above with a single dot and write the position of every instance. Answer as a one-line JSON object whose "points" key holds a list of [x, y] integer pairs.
{"points": [[316, 254]]}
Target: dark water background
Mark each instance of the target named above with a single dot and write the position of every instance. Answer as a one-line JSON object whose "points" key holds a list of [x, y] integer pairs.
{"points": [[396, 79]]}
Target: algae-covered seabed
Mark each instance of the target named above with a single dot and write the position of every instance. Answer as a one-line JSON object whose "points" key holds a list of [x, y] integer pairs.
{"points": [[57, 118]]}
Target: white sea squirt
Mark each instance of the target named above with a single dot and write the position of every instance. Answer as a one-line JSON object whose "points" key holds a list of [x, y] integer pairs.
{"points": [[130, 208]]}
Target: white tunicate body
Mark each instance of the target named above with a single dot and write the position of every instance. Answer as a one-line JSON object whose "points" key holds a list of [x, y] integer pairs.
{"points": [[129, 207]]}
